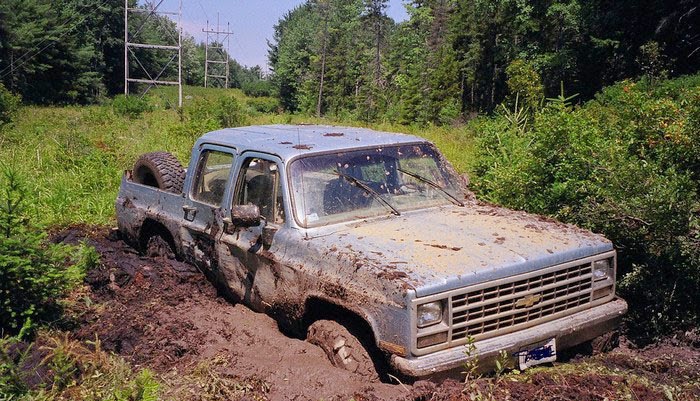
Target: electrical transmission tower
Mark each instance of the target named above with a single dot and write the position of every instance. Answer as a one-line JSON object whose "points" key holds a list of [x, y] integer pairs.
{"points": [[216, 55], [131, 42]]}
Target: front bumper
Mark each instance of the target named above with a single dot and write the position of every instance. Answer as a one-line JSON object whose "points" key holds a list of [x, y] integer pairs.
{"points": [[569, 331]]}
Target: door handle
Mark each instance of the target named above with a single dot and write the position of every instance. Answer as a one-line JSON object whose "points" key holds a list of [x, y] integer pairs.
{"points": [[190, 212]]}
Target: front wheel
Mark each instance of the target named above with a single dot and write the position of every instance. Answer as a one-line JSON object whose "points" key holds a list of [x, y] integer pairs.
{"points": [[605, 342], [342, 348]]}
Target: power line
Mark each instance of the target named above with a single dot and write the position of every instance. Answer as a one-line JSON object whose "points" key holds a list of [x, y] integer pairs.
{"points": [[220, 54], [153, 79]]}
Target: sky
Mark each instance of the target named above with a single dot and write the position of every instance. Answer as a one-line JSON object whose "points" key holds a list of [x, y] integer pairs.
{"points": [[251, 21]]}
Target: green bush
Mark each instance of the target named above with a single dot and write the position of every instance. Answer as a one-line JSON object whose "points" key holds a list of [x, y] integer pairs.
{"points": [[34, 274], [229, 112], [206, 115], [626, 165], [264, 105], [131, 106], [9, 104], [524, 83], [260, 88]]}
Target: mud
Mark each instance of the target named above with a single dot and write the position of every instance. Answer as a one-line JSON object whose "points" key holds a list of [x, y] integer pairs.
{"points": [[163, 314]]}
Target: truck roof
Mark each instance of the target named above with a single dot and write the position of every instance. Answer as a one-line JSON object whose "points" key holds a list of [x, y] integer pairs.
{"points": [[290, 141]]}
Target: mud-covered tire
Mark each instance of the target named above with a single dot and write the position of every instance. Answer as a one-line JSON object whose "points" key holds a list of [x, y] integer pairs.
{"points": [[342, 348], [605, 342], [161, 170], [159, 247]]}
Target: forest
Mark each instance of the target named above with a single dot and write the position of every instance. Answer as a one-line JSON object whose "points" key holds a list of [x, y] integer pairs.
{"points": [[587, 112], [454, 58], [72, 51]]}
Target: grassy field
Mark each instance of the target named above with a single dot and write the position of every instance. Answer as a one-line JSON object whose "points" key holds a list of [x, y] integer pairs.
{"points": [[72, 158]]}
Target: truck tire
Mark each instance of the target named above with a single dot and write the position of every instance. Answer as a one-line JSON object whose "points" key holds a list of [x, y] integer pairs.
{"points": [[161, 170], [342, 348], [605, 342], [159, 247]]}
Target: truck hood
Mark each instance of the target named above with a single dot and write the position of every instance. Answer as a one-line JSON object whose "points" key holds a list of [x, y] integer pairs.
{"points": [[437, 250]]}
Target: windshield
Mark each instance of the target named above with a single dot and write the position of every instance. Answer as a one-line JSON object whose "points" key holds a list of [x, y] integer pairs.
{"points": [[344, 186]]}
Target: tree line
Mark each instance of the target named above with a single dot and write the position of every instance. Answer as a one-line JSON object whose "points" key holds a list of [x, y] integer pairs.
{"points": [[72, 51], [452, 58]]}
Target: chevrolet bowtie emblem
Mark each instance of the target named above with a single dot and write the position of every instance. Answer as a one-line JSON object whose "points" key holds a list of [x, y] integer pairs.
{"points": [[528, 301]]}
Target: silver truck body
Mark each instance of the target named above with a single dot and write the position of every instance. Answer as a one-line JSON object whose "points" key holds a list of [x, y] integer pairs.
{"points": [[505, 280]]}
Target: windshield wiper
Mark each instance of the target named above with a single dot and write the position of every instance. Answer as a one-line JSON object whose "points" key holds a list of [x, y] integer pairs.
{"points": [[369, 190], [434, 185]]}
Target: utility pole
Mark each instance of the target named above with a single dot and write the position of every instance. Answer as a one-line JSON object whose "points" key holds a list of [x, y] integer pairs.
{"points": [[153, 78], [219, 54]]}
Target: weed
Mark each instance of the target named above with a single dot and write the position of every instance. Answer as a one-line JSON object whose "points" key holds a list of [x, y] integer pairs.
{"points": [[9, 104], [131, 106], [12, 374], [209, 381]]}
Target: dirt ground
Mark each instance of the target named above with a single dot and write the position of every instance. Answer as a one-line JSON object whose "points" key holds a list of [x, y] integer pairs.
{"points": [[164, 315]]}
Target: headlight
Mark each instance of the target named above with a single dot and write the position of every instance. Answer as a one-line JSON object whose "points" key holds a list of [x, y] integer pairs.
{"points": [[429, 314], [602, 269]]}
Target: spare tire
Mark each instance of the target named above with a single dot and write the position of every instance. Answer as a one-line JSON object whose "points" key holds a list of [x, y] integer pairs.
{"points": [[161, 170]]}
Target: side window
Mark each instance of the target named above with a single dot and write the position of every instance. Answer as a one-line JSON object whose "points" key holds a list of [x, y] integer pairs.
{"points": [[212, 175], [260, 185]]}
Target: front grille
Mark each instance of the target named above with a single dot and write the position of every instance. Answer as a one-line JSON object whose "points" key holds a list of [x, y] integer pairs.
{"points": [[513, 303], [481, 312]]}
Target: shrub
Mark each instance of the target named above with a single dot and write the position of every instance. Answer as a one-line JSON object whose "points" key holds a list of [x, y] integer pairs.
{"points": [[131, 106], [33, 273], [259, 88], [264, 105], [626, 165], [229, 112], [9, 104], [207, 115], [525, 83]]}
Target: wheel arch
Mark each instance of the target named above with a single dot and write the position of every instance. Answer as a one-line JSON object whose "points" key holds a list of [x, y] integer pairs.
{"points": [[151, 227], [319, 307], [357, 322]]}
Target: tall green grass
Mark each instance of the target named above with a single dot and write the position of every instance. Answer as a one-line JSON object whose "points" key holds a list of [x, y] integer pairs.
{"points": [[73, 157]]}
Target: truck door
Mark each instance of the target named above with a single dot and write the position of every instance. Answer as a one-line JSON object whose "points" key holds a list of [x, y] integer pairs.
{"points": [[254, 275], [208, 195]]}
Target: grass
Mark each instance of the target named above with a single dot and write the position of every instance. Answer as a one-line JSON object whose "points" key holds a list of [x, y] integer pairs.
{"points": [[65, 369], [73, 157]]}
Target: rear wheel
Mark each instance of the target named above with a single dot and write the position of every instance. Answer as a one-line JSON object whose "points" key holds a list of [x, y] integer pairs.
{"points": [[157, 246], [161, 170], [342, 348]]}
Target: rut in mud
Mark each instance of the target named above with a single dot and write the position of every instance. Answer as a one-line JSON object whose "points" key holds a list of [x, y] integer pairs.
{"points": [[163, 314]]}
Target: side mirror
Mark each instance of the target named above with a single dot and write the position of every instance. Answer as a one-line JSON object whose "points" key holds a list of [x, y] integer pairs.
{"points": [[245, 215]]}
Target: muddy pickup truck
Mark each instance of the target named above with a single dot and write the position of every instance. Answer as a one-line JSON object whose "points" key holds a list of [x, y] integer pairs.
{"points": [[369, 245]]}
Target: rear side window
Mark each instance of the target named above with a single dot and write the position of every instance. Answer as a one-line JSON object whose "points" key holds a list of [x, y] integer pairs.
{"points": [[212, 176], [261, 186]]}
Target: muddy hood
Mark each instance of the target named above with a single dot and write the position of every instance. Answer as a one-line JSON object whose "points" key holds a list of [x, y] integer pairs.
{"points": [[437, 250]]}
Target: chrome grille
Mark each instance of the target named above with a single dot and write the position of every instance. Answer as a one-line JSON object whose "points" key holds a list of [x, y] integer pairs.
{"points": [[488, 311]]}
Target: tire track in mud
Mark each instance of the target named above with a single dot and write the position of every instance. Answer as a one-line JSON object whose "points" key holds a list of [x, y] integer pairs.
{"points": [[164, 315]]}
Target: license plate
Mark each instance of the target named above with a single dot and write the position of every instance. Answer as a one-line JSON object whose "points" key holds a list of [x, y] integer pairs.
{"points": [[538, 354]]}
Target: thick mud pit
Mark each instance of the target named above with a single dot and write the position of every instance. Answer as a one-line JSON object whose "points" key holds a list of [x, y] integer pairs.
{"points": [[164, 315]]}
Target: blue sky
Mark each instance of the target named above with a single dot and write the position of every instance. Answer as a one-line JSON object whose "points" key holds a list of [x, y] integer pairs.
{"points": [[250, 20]]}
